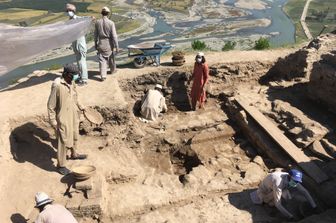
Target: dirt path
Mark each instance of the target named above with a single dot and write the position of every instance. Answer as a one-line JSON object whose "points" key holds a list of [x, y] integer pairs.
{"points": [[33, 171], [303, 20]]}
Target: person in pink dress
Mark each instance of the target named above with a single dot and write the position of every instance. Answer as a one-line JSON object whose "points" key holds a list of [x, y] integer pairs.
{"points": [[200, 77]]}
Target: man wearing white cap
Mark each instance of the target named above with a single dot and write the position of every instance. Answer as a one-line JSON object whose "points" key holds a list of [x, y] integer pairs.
{"points": [[79, 47], [153, 103], [51, 213], [106, 39]]}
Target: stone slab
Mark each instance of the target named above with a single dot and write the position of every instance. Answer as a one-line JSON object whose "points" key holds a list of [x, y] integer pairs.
{"points": [[297, 154], [318, 149], [91, 206]]}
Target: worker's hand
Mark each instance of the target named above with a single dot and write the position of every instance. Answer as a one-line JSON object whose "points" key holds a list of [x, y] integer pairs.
{"points": [[117, 50], [93, 18]]}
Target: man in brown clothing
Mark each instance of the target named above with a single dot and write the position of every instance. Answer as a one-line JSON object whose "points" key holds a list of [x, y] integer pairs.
{"points": [[51, 213], [63, 115], [105, 38]]}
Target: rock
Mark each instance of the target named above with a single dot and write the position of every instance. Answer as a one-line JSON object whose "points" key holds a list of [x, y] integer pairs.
{"points": [[116, 178], [84, 185], [208, 144], [224, 161], [234, 177], [80, 206], [318, 149], [243, 166], [172, 140], [303, 129], [258, 160], [254, 174], [198, 176], [331, 148]]}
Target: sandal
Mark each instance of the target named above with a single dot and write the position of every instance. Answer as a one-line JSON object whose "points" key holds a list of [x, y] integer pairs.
{"points": [[63, 170], [79, 157]]}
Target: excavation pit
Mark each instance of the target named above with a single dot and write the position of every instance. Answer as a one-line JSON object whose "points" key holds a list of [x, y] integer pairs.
{"points": [[188, 163]]}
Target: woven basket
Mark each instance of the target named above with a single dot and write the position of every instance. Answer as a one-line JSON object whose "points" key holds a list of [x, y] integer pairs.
{"points": [[83, 172]]}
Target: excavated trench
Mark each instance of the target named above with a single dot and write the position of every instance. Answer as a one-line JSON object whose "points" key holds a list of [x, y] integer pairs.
{"points": [[192, 145]]}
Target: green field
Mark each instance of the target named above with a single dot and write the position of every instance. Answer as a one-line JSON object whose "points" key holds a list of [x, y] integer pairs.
{"points": [[174, 5], [39, 12], [320, 13], [294, 9]]}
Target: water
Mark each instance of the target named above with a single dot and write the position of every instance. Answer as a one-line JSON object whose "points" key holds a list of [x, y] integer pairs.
{"points": [[162, 30], [280, 23]]}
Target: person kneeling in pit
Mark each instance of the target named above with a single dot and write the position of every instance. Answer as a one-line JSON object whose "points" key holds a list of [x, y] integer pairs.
{"points": [[153, 103], [51, 213], [275, 186], [63, 109]]}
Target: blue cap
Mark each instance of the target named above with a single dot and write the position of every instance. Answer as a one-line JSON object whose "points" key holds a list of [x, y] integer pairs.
{"points": [[296, 175]]}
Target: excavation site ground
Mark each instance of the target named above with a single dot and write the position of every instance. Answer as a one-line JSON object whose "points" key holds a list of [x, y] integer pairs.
{"points": [[192, 166]]}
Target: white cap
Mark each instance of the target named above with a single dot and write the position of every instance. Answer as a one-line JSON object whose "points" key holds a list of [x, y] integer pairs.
{"points": [[201, 54], [106, 9], [159, 86], [42, 198], [70, 7]]}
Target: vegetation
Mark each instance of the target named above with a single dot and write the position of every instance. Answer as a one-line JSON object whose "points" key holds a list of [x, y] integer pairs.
{"points": [[174, 5], [230, 45], [40, 12], [294, 9], [198, 45], [262, 43], [320, 13]]}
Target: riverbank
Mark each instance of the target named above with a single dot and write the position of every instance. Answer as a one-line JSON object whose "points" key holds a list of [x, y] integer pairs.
{"points": [[248, 4]]}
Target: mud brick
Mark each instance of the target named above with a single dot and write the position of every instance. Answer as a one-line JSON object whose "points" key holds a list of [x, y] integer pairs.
{"points": [[97, 186], [91, 207], [73, 206], [84, 185]]}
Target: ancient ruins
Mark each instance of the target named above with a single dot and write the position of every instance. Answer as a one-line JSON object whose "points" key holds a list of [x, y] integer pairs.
{"points": [[195, 166]]}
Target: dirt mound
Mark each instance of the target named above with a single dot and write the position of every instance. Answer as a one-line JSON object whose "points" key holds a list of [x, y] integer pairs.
{"points": [[306, 62]]}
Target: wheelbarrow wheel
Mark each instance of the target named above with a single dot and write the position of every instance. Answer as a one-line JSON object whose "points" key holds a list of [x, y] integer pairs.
{"points": [[139, 62]]}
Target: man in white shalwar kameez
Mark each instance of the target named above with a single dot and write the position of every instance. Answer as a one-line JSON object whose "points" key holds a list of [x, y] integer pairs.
{"points": [[153, 104]]}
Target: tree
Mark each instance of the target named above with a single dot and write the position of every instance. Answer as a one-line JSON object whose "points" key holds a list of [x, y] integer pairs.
{"points": [[262, 43], [230, 45], [198, 45]]}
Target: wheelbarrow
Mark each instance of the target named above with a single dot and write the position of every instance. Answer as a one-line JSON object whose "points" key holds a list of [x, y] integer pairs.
{"points": [[148, 52]]}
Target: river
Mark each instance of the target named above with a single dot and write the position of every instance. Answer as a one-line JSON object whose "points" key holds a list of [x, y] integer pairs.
{"points": [[280, 23]]}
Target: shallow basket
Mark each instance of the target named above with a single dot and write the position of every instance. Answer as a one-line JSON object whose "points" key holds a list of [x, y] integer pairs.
{"points": [[93, 116], [83, 172]]}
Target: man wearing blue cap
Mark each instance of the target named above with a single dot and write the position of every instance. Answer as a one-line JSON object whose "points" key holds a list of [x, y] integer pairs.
{"points": [[275, 186]]}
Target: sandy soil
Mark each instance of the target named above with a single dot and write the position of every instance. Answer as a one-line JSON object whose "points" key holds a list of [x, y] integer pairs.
{"points": [[251, 4], [24, 108]]}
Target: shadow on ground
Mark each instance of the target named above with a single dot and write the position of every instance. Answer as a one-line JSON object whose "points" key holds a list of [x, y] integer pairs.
{"points": [[179, 96], [31, 143], [259, 213], [18, 218], [36, 80]]}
